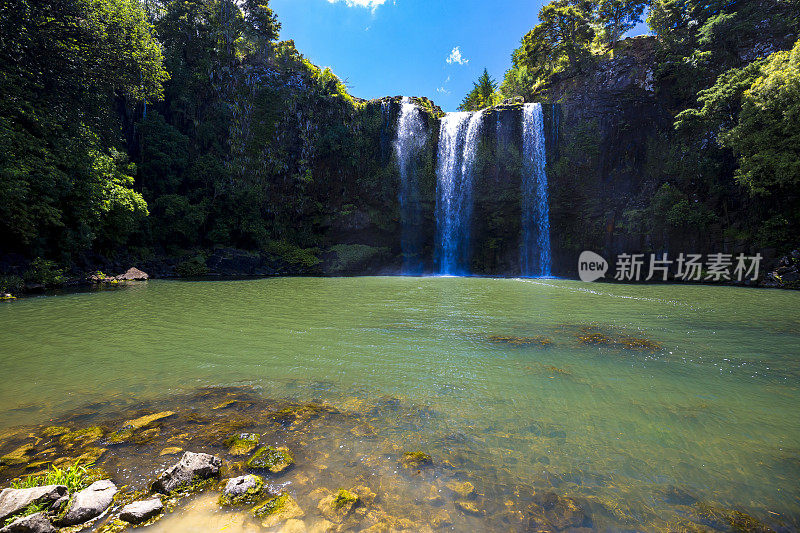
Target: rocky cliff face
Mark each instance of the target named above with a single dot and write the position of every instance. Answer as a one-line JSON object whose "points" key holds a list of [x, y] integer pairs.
{"points": [[609, 122], [607, 148]]}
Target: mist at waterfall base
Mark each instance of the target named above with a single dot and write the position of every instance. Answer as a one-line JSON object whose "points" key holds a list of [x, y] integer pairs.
{"points": [[459, 135]]}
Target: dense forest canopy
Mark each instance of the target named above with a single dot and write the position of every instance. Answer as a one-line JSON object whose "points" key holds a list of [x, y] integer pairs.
{"points": [[165, 128]]}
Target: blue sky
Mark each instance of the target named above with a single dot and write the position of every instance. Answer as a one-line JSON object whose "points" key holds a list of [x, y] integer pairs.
{"points": [[402, 47]]}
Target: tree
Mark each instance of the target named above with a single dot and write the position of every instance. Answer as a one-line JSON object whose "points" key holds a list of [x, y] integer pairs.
{"points": [[619, 16], [567, 29], [483, 94], [263, 25], [66, 66], [560, 42], [766, 138]]}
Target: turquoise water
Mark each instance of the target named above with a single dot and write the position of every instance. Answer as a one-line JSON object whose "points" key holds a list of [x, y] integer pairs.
{"points": [[712, 410]]}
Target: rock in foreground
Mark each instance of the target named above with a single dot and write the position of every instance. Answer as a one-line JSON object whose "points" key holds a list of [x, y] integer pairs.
{"points": [[191, 466], [276, 460], [35, 523], [276, 510], [141, 511], [89, 503], [14, 500], [242, 490]]}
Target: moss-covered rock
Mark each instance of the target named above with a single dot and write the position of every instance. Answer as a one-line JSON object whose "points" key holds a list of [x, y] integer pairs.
{"points": [[536, 340], [549, 511], [54, 431], [465, 490], [88, 456], [276, 460], [171, 450], [416, 460], [147, 420], [121, 436], [243, 491], [595, 336], [722, 519], [242, 443], [468, 507], [276, 509], [337, 506], [18, 456], [81, 437]]}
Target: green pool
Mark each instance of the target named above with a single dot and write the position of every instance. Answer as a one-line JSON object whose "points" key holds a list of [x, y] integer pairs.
{"points": [[641, 400]]}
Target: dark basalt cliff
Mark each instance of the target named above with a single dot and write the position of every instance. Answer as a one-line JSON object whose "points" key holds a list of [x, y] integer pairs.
{"points": [[609, 154], [604, 129]]}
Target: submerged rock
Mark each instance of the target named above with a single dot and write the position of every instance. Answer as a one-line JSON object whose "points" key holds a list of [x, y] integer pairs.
{"points": [[192, 466], [89, 503], [276, 460], [466, 490], [147, 420], [242, 444], [141, 430], [536, 340], [242, 490], [88, 455], [595, 336], [277, 509], [336, 507], [171, 450], [440, 518], [726, 519], [549, 511], [81, 437], [468, 507], [141, 511], [54, 431], [18, 456], [35, 523], [416, 459], [13, 501]]}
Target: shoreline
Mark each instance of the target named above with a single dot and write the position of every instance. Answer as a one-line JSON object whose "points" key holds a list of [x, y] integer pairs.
{"points": [[391, 485]]}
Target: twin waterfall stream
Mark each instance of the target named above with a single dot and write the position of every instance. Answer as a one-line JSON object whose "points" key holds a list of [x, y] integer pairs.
{"points": [[459, 134]]}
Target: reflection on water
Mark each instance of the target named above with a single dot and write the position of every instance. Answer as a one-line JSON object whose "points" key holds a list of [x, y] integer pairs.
{"points": [[697, 415]]}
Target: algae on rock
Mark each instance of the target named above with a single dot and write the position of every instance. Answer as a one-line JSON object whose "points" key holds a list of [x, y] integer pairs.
{"points": [[276, 509], [276, 460]]}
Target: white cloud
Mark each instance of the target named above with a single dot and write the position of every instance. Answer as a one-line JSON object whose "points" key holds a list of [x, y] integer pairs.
{"points": [[442, 90], [369, 4], [456, 57]]}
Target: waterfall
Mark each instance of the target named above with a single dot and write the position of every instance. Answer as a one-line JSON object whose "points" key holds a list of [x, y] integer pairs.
{"points": [[408, 144], [535, 248], [458, 140]]}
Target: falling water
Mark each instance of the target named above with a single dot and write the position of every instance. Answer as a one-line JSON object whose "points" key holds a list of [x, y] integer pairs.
{"points": [[408, 144], [458, 140], [535, 249]]}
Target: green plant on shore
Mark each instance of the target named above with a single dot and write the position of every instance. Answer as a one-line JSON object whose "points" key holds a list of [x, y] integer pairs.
{"points": [[27, 511], [11, 284], [75, 478], [45, 272]]}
